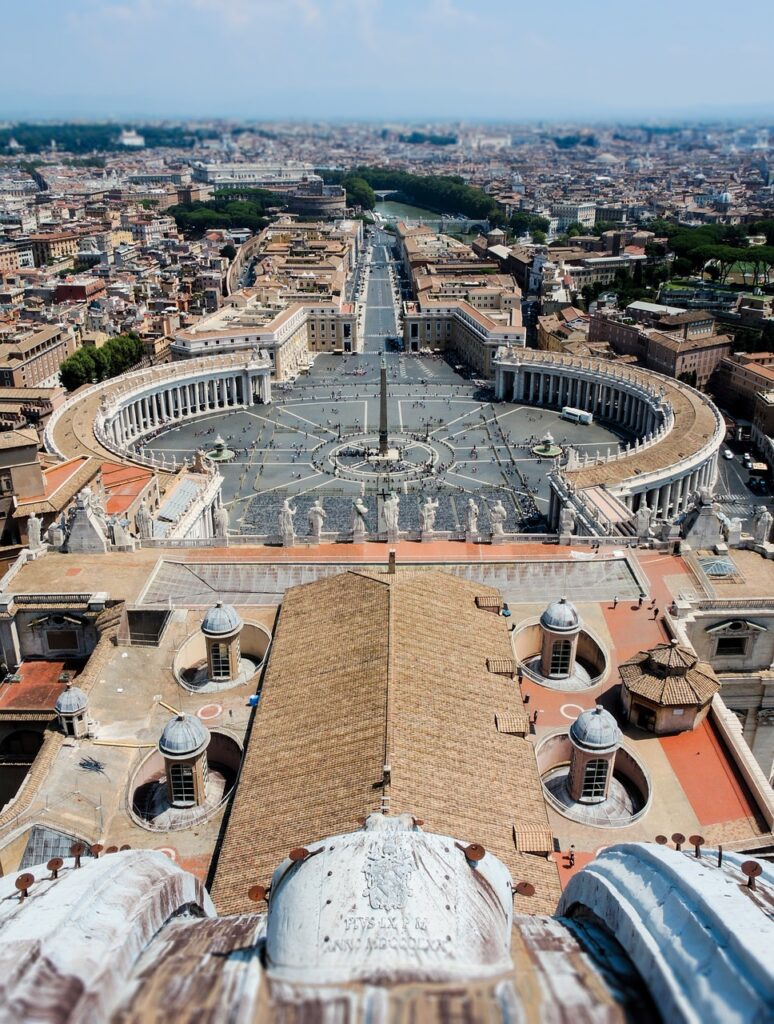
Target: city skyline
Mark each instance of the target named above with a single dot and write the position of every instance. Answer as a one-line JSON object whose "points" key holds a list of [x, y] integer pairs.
{"points": [[367, 60]]}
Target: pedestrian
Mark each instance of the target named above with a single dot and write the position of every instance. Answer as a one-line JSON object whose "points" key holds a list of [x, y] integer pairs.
{"points": [[640, 599], [535, 716], [655, 613], [615, 601], [571, 856]]}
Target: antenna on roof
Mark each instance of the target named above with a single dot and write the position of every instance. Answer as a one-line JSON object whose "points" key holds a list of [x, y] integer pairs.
{"points": [[698, 842], [751, 868], [474, 852], [23, 883]]}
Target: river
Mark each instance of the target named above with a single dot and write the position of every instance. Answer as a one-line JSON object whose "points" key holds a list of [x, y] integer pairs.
{"points": [[400, 211]]}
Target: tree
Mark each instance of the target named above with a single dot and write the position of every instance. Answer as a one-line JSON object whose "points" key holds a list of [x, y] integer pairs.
{"points": [[228, 251], [94, 364], [359, 192]]}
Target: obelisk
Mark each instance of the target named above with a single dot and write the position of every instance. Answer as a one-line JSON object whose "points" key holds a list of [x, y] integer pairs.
{"points": [[384, 446]]}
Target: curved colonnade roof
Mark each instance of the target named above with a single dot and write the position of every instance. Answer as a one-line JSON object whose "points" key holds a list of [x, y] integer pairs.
{"points": [[693, 427]]}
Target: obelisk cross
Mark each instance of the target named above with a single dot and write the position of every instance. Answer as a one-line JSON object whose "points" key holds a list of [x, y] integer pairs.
{"points": [[383, 437]]}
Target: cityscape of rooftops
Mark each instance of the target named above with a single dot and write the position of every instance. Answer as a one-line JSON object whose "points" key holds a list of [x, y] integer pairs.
{"points": [[386, 512]]}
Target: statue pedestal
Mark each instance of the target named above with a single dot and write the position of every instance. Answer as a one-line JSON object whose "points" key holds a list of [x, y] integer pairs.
{"points": [[393, 536], [472, 538], [359, 536], [288, 540], [498, 538], [313, 538], [426, 535]]}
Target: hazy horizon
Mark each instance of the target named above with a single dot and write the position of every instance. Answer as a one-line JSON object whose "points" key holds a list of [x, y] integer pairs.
{"points": [[373, 60]]}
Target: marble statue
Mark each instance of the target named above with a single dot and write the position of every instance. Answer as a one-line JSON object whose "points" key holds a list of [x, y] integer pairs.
{"points": [[200, 461], [220, 520], [55, 534], [286, 527], [117, 530], [497, 517], [427, 514], [143, 521], [315, 517], [391, 512], [762, 525], [359, 513], [33, 532], [567, 519], [471, 517], [643, 518]]}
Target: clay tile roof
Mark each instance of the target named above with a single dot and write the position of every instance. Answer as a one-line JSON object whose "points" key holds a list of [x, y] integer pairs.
{"points": [[670, 676], [533, 837], [502, 666], [369, 669], [514, 723]]}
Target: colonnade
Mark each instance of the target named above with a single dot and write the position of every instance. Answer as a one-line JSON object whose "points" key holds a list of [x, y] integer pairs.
{"points": [[628, 401], [627, 404], [161, 404]]}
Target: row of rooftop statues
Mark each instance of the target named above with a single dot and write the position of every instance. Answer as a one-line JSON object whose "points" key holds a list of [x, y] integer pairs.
{"points": [[316, 516]]}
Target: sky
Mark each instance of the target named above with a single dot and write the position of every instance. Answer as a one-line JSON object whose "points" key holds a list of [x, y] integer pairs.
{"points": [[411, 60]]}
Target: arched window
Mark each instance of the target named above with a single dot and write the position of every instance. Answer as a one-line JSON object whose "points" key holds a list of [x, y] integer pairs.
{"points": [[595, 779], [182, 783], [561, 652]]}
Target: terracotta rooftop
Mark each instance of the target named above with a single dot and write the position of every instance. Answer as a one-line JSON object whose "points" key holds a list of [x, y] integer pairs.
{"points": [[374, 670], [669, 675]]}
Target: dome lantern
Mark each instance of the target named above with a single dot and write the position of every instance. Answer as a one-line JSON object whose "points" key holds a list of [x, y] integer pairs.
{"points": [[595, 739], [560, 626], [183, 745]]}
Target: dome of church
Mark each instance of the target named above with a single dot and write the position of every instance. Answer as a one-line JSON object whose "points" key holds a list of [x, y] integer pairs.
{"points": [[220, 620], [560, 616], [71, 701], [596, 730], [183, 736]]}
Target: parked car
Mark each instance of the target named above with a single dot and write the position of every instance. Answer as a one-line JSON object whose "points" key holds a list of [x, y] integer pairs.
{"points": [[727, 453]]}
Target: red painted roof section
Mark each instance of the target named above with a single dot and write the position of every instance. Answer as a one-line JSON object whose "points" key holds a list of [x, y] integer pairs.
{"points": [[38, 689]]}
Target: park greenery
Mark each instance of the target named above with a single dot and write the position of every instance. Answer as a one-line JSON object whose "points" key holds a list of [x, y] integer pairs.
{"points": [[718, 250], [87, 365], [419, 138], [445, 193], [85, 138], [245, 208], [359, 192]]}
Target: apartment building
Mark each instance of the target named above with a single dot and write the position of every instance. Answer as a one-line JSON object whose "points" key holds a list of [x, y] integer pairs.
{"points": [[30, 358], [54, 247], [584, 213], [678, 343]]}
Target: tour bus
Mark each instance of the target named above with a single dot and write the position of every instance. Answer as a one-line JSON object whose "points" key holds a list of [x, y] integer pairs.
{"points": [[576, 415]]}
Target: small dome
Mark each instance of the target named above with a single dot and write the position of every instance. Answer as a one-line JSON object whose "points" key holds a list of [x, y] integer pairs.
{"points": [[183, 736], [595, 730], [70, 701], [221, 619], [560, 616]]}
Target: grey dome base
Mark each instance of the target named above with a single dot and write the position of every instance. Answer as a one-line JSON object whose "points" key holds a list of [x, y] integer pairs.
{"points": [[197, 679], [579, 680], [620, 808]]}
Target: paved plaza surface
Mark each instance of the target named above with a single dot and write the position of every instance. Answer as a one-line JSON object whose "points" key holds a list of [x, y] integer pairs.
{"points": [[450, 438]]}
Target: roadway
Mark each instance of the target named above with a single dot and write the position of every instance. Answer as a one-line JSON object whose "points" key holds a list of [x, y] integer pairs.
{"points": [[380, 321]]}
